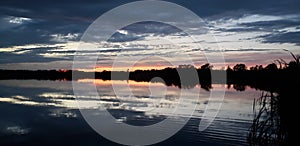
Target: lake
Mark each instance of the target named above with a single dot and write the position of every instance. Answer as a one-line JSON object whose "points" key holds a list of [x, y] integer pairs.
{"points": [[43, 112]]}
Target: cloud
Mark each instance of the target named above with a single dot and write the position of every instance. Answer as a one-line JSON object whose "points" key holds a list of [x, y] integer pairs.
{"points": [[18, 20], [259, 28], [121, 36], [282, 37], [28, 55], [124, 50], [141, 30], [151, 27], [65, 38], [52, 21], [255, 22], [237, 24]]}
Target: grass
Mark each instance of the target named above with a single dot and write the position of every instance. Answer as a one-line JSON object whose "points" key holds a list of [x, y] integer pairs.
{"points": [[267, 127]]}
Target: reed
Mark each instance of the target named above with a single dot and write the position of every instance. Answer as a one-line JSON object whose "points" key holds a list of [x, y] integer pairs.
{"points": [[267, 128]]}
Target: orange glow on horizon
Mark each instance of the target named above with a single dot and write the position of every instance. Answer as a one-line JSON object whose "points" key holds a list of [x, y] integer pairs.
{"points": [[109, 68], [100, 68], [63, 70], [99, 82]]}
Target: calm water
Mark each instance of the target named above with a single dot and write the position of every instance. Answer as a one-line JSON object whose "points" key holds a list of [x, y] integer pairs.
{"points": [[46, 113]]}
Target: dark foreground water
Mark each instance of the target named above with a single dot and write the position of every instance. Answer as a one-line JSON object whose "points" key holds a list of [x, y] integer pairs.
{"points": [[46, 113]]}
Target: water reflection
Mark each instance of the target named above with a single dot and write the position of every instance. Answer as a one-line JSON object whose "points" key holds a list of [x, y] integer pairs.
{"points": [[33, 110]]}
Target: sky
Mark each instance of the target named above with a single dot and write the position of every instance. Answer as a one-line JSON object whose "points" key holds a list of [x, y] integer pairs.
{"points": [[46, 34]]}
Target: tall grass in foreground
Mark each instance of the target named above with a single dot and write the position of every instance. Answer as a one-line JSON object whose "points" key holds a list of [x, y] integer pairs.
{"points": [[267, 127]]}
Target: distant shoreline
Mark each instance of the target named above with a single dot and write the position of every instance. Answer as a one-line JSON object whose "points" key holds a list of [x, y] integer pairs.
{"points": [[269, 78]]}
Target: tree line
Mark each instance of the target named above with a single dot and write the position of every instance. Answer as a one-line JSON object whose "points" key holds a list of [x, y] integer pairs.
{"points": [[272, 77]]}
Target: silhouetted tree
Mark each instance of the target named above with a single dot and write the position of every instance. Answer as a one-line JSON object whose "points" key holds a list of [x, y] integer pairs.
{"points": [[240, 67], [229, 69], [256, 68], [271, 67], [206, 66]]}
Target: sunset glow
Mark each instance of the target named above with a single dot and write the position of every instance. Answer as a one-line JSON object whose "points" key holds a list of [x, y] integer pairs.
{"points": [[99, 82]]}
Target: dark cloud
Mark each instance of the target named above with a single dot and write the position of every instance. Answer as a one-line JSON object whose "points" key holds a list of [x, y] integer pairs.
{"points": [[140, 30], [250, 50], [23, 36], [274, 27], [33, 55], [48, 18], [28, 57], [241, 29], [120, 37], [74, 16], [269, 25], [123, 50], [282, 37], [93, 8], [236, 50], [225, 8], [277, 30], [37, 32], [152, 27]]}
